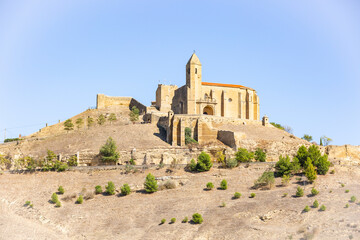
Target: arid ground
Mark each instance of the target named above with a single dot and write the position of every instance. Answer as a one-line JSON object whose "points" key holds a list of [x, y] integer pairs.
{"points": [[269, 215]]}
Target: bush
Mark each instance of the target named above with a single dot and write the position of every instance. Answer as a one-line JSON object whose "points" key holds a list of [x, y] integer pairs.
{"points": [[58, 204], [108, 152], [299, 192], [134, 114], [307, 137], [322, 208], [223, 204], [150, 184], [252, 195], [260, 155], [316, 204], [27, 203], [209, 185], [352, 199], [61, 190], [231, 163], [204, 162], [285, 194], [62, 167], [192, 165], [125, 189], [347, 191], [167, 185], [185, 220], [242, 155], [110, 188], [302, 155], [267, 179], [72, 162], [277, 125], [197, 218], [132, 161], [323, 165], [223, 184], [285, 180], [220, 158], [188, 138], [237, 195], [80, 200], [112, 117], [283, 166], [314, 192], [79, 122], [101, 119], [310, 172], [54, 198], [163, 221], [68, 125], [173, 220], [306, 209], [90, 121], [98, 189]]}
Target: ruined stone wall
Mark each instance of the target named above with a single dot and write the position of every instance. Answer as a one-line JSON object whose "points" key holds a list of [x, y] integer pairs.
{"points": [[103, 101]]}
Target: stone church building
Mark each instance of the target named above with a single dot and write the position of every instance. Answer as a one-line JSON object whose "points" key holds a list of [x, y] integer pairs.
{"points": [[198, 97]]}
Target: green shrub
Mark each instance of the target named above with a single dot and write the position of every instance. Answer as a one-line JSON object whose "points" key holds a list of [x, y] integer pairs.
{"points": [[316, 204], [62, 167], [285, 180], [79, 122], [332, 171], [322, 208], [307, 137], [90, 121], [310, 172], [223, 184], [342, 185], [277, 125], [237, 195], [302, 155], [61, 190], [260, 155], [242, 155], [185, 220], [188, 137], [80, 200], [283, 166], [197, 218], [58, 204], [252, 195], [54, 198], [299, 192], [163, 221], [72, 162], [347, 205], [209, 185], [347, 191], [125, 189], [314, 192], [27, 203], [108, 152], [132, 161], [31, 205], [231, 163], [204, 162], [110, 188], [173, 220], [112, 117], [285, 194], [134, 114], [68, 125], [101, 119], [12, 139], [306, 209], [267, 179], [98, 189], [192, 165], [223, 204], [352, 199], [323, 165], [150, 184]]}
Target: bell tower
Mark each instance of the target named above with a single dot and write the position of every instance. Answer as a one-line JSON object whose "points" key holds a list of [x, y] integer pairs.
{"points": [[193, 83]]}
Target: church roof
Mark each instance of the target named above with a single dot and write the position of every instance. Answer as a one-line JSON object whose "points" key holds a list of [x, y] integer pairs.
{"points": [[194, 59], [224, 85]]}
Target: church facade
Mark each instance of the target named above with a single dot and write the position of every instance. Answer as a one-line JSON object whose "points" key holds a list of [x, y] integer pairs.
{"points": [[205, 98]]}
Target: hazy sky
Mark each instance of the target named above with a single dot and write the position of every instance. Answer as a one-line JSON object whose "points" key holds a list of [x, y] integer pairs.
{"points": [[302, 57]]}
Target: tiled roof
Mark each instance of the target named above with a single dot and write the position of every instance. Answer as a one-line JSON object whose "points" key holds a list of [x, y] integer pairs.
{"points": [[224, 85]]}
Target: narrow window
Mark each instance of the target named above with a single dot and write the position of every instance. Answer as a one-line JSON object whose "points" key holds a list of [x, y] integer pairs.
{"points": [[195, 70]]}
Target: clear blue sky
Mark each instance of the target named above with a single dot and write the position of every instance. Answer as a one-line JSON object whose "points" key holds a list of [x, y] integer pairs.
{"points": [[302, 57]]}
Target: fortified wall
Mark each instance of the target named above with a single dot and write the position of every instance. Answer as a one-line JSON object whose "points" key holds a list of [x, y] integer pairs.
{"points": [[103, 102]]}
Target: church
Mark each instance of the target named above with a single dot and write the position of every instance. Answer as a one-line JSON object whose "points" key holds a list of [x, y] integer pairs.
{"points": [[198, 97]]}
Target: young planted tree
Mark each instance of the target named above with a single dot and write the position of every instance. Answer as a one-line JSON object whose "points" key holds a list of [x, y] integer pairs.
{"points": [[150, 184], [204, 162], [283, 166], [79, 123], [267, 179], [90, 121], [101, 119], [112, 118], [310, 172], [242, 155], [134, 114], [260, 155], [109, 152], [68, 125]]}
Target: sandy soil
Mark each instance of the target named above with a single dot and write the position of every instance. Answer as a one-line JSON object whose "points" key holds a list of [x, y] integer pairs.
{"points": [[138, 215]]}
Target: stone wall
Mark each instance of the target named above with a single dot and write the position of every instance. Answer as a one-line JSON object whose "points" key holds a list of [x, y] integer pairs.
{"points": [[103, 101]]}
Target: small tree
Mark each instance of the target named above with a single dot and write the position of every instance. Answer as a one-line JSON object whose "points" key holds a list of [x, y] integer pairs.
{"points": [[204, 162], [79, 122], [314, 192], [112, 118], [80, 199], [267, 179], [98, 189], [110, 188], [68, 125], [209, 185], [326, 140], [134, 114], [321, 143], [223, 184], [109, 152], [323, 165], [310, 172], [299, 192], [302, 155], [260, 155], [90, 121], [316, 204], [150, 184], [307, 137], [242, 155], [101, 119], [283, 166], [125, 189], [61, 190]]}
